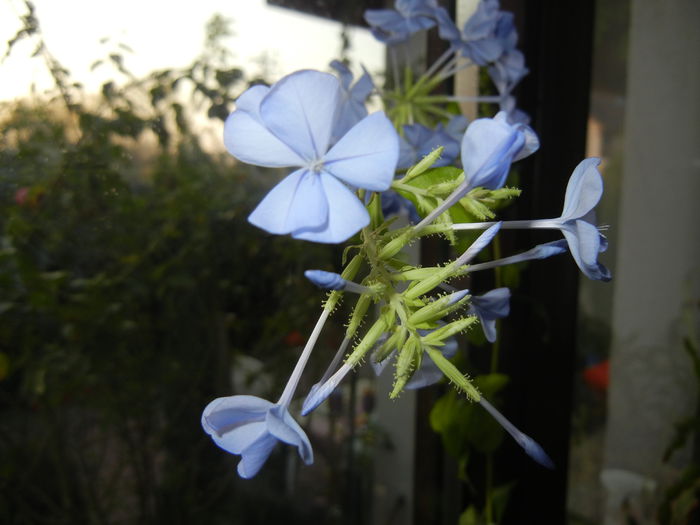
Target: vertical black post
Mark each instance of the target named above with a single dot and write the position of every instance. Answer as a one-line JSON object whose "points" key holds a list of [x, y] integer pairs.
{"points": [[540, 337]]}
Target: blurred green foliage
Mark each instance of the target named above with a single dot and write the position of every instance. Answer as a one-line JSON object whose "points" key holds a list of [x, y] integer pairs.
{"points": [[129, 280]]}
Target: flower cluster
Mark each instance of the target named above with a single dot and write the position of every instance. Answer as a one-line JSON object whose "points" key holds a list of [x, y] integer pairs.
{"points": [[351, 170]]}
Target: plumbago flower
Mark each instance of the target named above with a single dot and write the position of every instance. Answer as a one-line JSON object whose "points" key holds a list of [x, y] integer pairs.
{"points": [[343, 182], [477, 40], [489, 307], [488, 148], [395, 26], [290, 125], [251, 427], [577, 220]]}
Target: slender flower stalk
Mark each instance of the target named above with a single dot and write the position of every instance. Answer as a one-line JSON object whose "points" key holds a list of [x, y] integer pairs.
{"points": [[529, 445]]}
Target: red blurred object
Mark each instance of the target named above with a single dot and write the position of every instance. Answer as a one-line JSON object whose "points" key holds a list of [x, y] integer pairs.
{"points": [[294, 338], [21, 196], [597, 376]]}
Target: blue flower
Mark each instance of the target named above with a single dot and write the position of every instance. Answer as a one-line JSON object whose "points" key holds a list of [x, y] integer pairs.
{"points": [[395, 26], [477, 40], [489, 307], [577, 221], [251, 427], [352, 106], [490, 146], [290, 125]]}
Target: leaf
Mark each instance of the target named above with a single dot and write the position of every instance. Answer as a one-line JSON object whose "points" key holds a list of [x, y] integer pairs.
{"points": [[499, 500], [470, 517], [491, 384]]}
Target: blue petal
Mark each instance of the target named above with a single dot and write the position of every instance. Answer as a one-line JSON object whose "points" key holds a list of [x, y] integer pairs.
{"points": [[363, 87], [346, 214], [584, 243], [247, 139], [366, 156], [255, 456], [488, 147], [222, 414], [584, 190], [326, 280], [251, 98], [489, 307], [282, 425], [236, 440], [343, 72], [297, 201], [300, 110]]}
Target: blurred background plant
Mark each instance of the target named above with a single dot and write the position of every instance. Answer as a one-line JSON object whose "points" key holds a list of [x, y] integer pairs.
{"points": [[127, 292]]}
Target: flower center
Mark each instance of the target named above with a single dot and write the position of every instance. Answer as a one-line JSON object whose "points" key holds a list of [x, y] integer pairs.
{"points": [[316, 165]]}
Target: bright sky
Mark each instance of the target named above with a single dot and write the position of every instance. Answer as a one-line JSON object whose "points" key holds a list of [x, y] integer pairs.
{"points": [[167, 33]]}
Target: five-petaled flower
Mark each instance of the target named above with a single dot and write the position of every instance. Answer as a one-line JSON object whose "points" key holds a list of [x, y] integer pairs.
{"points": [[251, 426], [290, 125]]}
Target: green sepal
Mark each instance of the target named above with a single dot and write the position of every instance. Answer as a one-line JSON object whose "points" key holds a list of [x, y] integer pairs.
{"points": [[406, 363], [424, 164], [451, 372], [376, 217], [396, 340], [358, 314], [381, 325], [436, 310], [419, 288], [477, 209], [450, 329]]}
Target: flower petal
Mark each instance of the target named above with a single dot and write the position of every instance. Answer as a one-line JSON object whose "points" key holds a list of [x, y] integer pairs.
{"points": [[282, 425], [298, 201], [346, 214], [584, 243], [584, 190], [255, 456], [222, 414], [366, 156], [300, 110], [240, 438], [488, 148], [247, 138]]}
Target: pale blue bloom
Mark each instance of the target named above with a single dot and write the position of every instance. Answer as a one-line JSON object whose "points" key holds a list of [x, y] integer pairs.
{"points": [[290, 125], [505, 31], [477, 40], [577, 221], [410, 16], [251, 426], [352, 106], [490, 146], [489, 307]]}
